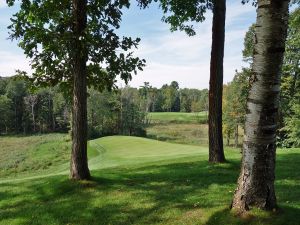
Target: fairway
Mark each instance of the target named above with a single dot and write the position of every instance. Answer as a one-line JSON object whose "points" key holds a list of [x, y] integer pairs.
{"points": [[49, 154], [127, 151], [137, 181], [178, 117]]}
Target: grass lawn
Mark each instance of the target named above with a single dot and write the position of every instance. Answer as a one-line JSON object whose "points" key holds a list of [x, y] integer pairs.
{"points": [[177, 117], [139, 181]]}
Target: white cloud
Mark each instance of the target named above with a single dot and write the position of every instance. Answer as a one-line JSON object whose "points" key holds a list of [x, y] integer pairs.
{"points": [[10, 62], [3, 3], [175, 56]]}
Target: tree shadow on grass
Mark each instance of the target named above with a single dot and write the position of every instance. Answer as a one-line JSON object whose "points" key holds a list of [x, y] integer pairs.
{"points": [[116, 196], [287, 185], [157, 194], [285, 215]]}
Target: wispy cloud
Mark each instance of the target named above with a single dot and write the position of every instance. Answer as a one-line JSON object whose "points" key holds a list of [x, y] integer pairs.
{"points": [[175, 56], [10, 62], [3, 4]]}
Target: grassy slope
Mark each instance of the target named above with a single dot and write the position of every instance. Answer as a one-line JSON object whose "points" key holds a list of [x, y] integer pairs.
{"points": [[177, 117], [151, 183]]}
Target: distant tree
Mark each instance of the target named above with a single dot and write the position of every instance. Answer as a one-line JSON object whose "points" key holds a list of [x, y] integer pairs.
{"points": [[158, 104], [3, 83], [133, 118], [6, 113], [115, 112], [185, 100], [146, 96], [68, 42], [16, 90], [234, 99], [31, 101], [256, 180]]}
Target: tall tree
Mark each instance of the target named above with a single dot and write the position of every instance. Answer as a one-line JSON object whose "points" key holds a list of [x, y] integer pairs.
{"points": [[74, 44], [79, 164], [256, 180], [216, 151]]}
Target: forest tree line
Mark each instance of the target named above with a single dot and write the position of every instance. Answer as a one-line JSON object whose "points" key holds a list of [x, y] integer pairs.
{"points": [[121, 111]]}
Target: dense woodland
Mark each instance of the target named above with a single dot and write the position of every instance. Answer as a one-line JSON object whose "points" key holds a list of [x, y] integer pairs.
{"points": [[121, 111]]}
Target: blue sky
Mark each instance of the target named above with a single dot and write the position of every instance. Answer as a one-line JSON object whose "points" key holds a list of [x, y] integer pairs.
{"points": [[170, 56]]}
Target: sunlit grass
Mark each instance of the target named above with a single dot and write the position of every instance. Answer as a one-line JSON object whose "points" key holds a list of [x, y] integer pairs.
{"points": [[177, 117], [141, 181]]}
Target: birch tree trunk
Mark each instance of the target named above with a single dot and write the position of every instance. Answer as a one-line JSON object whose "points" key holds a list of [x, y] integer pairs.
{"points": [[256, 180], [216, 151], [79, 164]]}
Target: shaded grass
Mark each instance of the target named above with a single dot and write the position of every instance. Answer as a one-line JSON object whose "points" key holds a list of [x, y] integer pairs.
{"points": [[151, 183]]}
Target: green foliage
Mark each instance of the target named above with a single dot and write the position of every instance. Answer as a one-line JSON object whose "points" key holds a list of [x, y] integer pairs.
{"points": [[5, 113], [235, 96], [181, 14], [248, 44], [121, 111], [292, 126], [115, 112], [3, 84], [45, 30]]}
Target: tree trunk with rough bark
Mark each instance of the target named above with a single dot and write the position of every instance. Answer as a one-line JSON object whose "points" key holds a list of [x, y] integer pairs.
{"points": [[79, 163], [256, 180], [236, 136], [216, 151]]}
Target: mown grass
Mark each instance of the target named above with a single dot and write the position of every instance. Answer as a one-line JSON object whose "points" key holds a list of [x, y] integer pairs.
{"points": [[139, 181], [178, 117]]}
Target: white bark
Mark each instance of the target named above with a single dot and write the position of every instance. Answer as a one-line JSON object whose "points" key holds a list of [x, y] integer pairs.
{"points": [[256, 181]]}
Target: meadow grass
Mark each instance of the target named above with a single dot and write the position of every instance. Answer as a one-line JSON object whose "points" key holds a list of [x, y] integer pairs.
{"points": [[177, 117], [184, 133], [141, 181]]}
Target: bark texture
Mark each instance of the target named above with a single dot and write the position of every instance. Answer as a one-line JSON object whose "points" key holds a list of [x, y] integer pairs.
{"points": [[256, 180], [216, 151], [79, 163]]}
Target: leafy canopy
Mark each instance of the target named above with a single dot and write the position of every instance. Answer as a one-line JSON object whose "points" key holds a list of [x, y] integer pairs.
{"points": [[45, 33], [181, 14]]}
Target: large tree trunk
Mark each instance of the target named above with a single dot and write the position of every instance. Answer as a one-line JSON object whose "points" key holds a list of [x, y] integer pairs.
{"points": [[79, 165], [256, 180], [216, 151]]}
